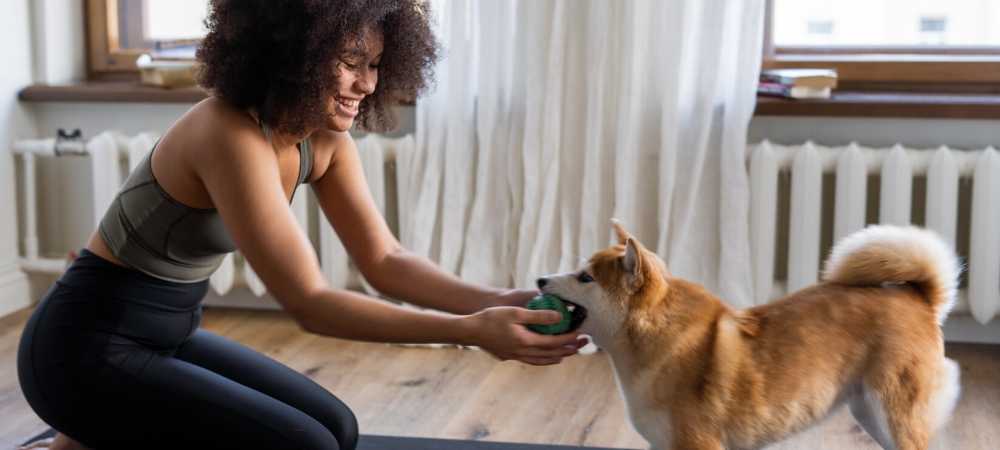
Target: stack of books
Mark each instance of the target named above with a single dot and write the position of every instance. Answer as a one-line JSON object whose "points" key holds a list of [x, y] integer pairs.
{"points": [[797, 83], [169, 67]]}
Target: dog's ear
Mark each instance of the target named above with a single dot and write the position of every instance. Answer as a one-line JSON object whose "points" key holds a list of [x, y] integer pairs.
{"points": [[632, 261], [620, 231]]}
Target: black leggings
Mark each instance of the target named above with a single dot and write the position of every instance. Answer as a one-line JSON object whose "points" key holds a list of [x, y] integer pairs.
{"points": [[113, 358]]}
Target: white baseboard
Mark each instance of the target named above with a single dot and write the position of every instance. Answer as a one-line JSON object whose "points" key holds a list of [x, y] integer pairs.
{"points": [[15, 292], [241, 297], [963, 328]]}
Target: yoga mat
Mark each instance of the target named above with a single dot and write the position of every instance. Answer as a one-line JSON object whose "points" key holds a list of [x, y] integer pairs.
{"points": [[373, 442]]}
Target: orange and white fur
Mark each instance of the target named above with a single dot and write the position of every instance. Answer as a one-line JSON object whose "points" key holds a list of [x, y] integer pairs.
{"points": [[698, 374]]}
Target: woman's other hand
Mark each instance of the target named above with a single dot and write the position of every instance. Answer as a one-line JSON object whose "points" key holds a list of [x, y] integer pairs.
{"points": [[501, 331]]}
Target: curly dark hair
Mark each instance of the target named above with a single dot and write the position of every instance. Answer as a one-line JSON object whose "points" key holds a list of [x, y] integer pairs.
{"points": [[277, 56]]}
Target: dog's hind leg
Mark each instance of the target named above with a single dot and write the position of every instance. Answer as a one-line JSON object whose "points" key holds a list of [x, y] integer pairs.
{"points": [[943, 398], [945, 394], [906, 396]]}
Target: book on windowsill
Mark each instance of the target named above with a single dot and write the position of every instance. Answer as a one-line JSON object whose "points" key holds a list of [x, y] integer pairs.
{"points": [[169, 65], [182, 50], [796, 92], [166, 73], [812, 78]]}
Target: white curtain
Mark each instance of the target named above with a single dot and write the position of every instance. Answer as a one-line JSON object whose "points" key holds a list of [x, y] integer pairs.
{"points": [[549, 117]]}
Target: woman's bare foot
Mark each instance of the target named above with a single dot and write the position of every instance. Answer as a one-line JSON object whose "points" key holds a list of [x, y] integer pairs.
{"points": [[60, 442]]}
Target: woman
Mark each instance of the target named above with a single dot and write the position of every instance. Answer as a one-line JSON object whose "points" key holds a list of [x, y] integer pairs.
{"points": [[112, 356]]}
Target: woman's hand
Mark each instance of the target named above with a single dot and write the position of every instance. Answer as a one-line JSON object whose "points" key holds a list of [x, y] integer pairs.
{"points": [[501, 331]]}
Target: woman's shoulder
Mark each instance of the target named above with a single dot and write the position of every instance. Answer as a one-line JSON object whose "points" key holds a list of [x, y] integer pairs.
{"points": [[331, 140], [218, 117], [216, 125], [327, 144]]}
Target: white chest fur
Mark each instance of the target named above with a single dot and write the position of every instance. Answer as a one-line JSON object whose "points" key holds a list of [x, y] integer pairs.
{"points": [[650, 420]]}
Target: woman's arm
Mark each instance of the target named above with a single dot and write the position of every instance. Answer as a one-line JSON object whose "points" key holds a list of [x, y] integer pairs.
{"points": [[345, 199], [404, 275], [243, 180], [241, 175]]}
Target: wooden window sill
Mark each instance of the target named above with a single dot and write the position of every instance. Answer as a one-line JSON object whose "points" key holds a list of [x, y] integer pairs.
{"points": [[886, 104], [842, 104], [110, 91], [117, 92]]}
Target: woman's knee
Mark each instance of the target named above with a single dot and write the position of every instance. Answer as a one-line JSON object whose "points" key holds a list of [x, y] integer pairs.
{"points": [[314, 438], [341, 421]]}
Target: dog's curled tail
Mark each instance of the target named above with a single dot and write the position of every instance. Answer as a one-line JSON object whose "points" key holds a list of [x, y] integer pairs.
{"points": [[893, 254]]}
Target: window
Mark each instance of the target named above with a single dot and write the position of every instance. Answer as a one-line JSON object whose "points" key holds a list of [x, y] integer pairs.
{"points": [[885, 43], [120, 30], [820, 27]]}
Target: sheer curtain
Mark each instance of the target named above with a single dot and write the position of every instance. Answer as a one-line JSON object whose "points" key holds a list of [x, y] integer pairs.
{"points": [[549, 117]]}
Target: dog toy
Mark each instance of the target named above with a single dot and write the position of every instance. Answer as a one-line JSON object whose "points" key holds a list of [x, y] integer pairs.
{"points": [[548, 301]]}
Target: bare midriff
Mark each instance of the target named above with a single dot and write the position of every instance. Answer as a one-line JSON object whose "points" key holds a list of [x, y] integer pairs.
{"points": [[97, 246]]}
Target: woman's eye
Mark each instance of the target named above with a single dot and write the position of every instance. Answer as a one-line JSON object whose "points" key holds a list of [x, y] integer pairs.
{"points": [[584, 277]]}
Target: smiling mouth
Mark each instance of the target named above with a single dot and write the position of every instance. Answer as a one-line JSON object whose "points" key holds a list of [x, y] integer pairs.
{"points": [[577, 314], [348, 105]]}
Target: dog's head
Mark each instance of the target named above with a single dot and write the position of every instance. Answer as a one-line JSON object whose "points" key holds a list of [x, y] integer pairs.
{"points": [[612, 286]]}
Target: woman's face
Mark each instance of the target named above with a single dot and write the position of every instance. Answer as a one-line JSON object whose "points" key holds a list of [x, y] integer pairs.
{"points": [[357, 75]]}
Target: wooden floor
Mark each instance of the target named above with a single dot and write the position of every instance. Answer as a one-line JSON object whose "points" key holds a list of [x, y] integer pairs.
{"points": [[451, 393]]}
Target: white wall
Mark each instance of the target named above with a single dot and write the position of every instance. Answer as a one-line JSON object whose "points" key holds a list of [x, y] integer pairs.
{"points": [[14, 124], [58, 33]]}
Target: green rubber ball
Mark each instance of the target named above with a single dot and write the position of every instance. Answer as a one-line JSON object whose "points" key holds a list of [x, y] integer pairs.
{"points": [[548, 301]]}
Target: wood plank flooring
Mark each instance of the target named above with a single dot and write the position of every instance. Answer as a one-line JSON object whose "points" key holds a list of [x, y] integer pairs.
{"points": [[466, 394]]}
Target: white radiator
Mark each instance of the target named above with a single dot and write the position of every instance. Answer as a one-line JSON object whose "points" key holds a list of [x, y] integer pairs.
{"points": [[960, 200], [111, 156], [789, 236]]}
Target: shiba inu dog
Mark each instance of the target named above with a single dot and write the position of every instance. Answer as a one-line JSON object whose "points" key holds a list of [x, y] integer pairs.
{"points": [[698, 374]]}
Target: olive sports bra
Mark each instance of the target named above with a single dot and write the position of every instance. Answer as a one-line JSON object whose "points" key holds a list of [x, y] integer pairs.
{"points": [[148, 230]]}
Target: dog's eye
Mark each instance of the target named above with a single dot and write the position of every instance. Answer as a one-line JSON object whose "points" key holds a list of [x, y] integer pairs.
{"points": [[584, 277]]}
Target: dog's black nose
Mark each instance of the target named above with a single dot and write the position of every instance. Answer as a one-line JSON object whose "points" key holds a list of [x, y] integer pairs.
{"points": [[541, 282]]}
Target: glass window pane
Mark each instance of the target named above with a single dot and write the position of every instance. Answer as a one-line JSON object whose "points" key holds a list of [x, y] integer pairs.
{"points": [[168, 20], [143, 23], [887, 23]]}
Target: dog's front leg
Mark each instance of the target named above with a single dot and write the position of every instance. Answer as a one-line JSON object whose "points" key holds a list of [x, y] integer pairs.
{"points": [[697, 443], [705, 446]]}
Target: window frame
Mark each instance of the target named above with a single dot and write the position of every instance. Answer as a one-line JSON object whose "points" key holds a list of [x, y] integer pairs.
{"points": [[106, 58], [966, 69]]}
